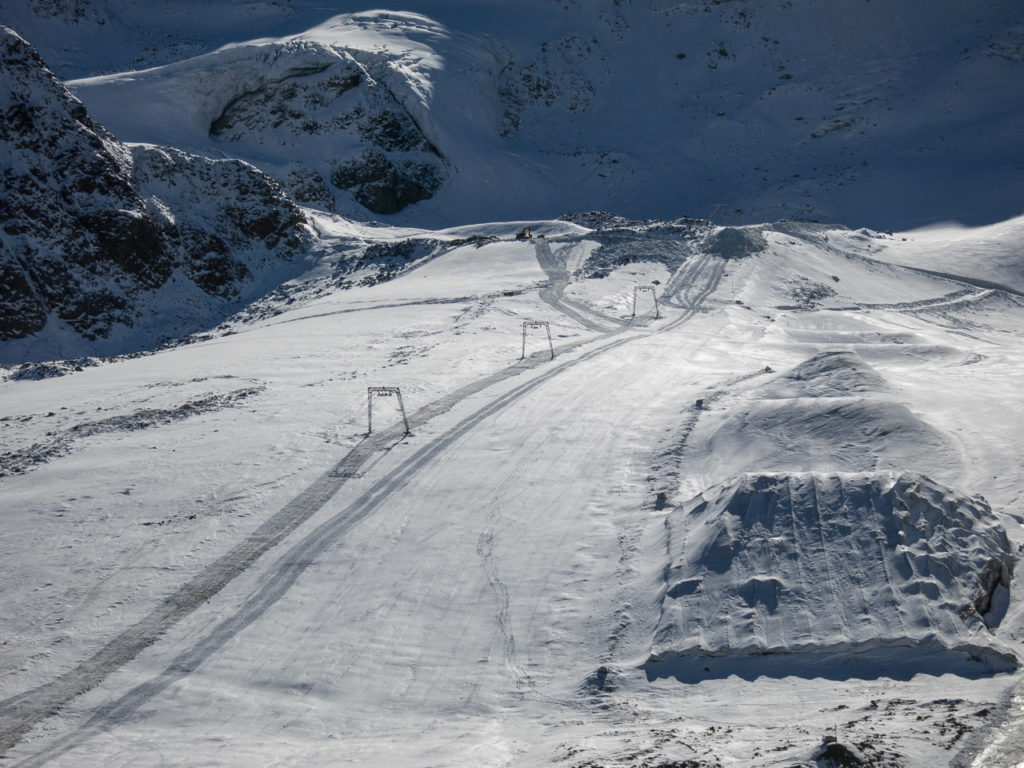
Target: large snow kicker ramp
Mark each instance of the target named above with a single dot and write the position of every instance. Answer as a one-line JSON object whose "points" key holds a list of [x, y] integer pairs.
{"points": [[840, 564]]}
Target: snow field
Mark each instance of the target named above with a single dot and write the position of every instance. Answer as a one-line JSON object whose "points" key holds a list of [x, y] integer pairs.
{"points": [[465, 586]]}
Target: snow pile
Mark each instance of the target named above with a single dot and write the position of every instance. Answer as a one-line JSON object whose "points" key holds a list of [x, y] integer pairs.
{"points": [[820, 530], [832, 412], [830, 374], [825, 562]]}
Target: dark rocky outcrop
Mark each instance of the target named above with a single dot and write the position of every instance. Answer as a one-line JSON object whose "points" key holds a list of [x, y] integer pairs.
{"points": [[384, 187], [368, 143], [95, 233]]}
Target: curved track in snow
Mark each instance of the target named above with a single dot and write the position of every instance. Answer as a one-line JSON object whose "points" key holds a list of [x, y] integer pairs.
{"points": [[554, 293], [20, 713]]}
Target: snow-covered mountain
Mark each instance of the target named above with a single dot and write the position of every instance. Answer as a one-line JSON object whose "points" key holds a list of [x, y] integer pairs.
{"points": [[887, 115], [106, 247], [595, 491]]}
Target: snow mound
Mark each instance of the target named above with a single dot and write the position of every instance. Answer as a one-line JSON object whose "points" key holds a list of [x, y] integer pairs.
{"points": [[832, 412], [829, 433], [833, 563], [831, 374]]}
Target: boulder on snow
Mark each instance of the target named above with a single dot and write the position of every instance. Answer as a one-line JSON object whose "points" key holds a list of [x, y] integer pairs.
{"points": [[832, 754], [736, 242]]}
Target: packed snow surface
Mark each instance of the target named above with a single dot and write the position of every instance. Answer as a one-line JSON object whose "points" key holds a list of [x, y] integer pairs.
{"points": [[569, 560]]}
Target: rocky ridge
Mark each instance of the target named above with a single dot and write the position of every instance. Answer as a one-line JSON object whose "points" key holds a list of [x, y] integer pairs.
{"points": [[98, 236]]}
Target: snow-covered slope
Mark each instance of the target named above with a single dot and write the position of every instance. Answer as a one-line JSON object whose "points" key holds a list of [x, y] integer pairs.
{"points": [[656, 492], [567, 561], [884, 115], [322, 111]]}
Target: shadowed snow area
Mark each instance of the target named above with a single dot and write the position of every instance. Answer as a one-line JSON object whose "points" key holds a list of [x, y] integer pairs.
{"points": [[480, 111], [824, 563]]}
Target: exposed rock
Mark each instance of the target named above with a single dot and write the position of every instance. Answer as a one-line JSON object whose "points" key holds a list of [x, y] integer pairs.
{"points": [[72, 221], [94, 231], [555, 79], [300, 102], [331, 98], [308, 187], [384, 187], [832, 754]]}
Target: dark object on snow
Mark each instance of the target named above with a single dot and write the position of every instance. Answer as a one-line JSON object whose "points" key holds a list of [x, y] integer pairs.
{"points": [[832, 754]]}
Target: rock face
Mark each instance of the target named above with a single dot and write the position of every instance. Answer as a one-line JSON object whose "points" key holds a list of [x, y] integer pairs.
{"points": [[383, 187], [367, 143], [96, 234], [71, 218], [554, 80]]}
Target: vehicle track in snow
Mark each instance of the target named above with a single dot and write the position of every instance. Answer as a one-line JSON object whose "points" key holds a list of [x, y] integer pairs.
{"points": [[20, 713], [963, 296], [400, 305], [485, 550], [554, 293], [692, 284]]}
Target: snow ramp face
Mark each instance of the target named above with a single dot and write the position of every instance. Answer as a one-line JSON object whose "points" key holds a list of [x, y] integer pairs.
{"points": [[829, 374], [884, 566]]}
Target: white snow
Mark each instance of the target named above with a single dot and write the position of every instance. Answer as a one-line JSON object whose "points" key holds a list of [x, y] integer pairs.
{"points": [[579, 561], [492, 588]]}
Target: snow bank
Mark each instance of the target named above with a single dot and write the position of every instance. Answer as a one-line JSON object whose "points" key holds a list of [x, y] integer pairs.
{"points": [[830, 374]]}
